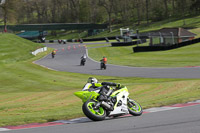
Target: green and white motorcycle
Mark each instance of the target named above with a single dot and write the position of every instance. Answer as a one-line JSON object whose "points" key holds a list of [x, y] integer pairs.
{"points": [[108, 101]]}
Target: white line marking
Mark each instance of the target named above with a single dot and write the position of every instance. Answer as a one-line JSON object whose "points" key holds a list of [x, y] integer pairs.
{"points": [[197, 101], [4, 129], [160, 109], [89, 57]]}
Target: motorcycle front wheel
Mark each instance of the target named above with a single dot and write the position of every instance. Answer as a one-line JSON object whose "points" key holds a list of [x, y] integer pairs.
{"points": [[95, 114], [134, 108]]}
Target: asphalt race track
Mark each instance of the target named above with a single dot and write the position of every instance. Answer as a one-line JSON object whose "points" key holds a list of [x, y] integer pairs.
{"points": [[68, 59], [181, 120]]}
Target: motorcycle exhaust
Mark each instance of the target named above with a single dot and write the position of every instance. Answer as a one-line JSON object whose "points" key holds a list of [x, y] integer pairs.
{"points": [[107, 106]]}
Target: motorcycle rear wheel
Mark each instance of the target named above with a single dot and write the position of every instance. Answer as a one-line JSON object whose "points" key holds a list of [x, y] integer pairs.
{"points": [[82, 63], [93, 114], [104, 66], [134, 108]]}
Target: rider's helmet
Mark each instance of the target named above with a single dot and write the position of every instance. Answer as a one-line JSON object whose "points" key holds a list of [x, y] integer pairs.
{"points": [[84, 56], [92, 80]]}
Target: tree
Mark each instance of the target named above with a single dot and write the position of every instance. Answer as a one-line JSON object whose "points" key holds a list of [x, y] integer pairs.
{"points": [[75, 7], [108, 5], [8, 14], [138, 7], [166, 8], [96, 11], [182, 6], [195, 6], [122, 11], [147, 11]]}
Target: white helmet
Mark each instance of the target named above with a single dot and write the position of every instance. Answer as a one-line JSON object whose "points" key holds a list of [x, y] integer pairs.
{"points": [[92, 80]]}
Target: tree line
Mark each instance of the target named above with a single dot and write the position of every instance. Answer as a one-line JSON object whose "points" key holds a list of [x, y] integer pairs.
{"points": [[96, 11]]}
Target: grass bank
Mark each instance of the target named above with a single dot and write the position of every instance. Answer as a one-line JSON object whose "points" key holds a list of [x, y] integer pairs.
{"points": [[14, 49], [181, 57]]}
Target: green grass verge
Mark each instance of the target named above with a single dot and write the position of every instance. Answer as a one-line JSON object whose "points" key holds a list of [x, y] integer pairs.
{"points": [[30, 93], [93, 45], [181, 57]]}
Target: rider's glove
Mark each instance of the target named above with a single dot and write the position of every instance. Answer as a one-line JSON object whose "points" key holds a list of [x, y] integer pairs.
{"points": [[118, 86]]}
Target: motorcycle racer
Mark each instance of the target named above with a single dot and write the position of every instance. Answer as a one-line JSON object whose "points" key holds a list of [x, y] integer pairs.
{"points": [[94, 84], [91, 83], [106, 99], [83, 60], [103, 88], [103, 63]]}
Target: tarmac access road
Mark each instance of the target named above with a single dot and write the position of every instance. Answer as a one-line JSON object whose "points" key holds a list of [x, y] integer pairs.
{"points": [[68, 59]]}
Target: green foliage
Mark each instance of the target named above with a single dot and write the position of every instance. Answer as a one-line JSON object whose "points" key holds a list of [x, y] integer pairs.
{"points": [[90, 11], [158, 14]]}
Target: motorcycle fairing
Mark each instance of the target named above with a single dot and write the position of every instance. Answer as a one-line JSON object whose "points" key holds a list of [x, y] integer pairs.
{"points": [[122, 96], [86, 95]]}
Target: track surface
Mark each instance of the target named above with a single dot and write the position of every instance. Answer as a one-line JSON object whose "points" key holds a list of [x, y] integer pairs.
{"points": [[181, 120], [68, 59]]}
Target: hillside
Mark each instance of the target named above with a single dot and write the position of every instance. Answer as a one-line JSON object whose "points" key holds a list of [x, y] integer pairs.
{"points": [[14, 48], [191, 23]]}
